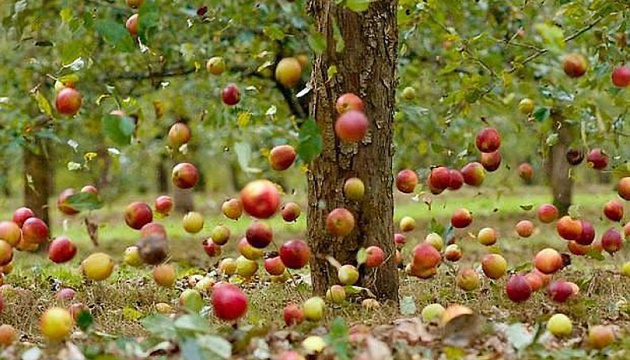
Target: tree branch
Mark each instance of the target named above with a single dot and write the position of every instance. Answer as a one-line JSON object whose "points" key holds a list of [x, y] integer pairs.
{"points": [[567, 39]]}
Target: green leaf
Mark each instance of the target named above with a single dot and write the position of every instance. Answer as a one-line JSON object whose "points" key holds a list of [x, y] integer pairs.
{"points": [[361, 256], [191, 350], [131, 313], [115, 34], [436, 227], [70, 51], [541, 113], [331, 72], [84, 320], [594, 254], [574, 211], [215, 347], [119, 128], [160, 326], [84, 201], [42, 103], [317, 42], [527, 207], [518, 336], [244, 156], [408, 305], [310, 141], [148, 17], [339, 339], [273, 32], [340, 43], [192, 323], [552, 35], [358, 5], [552, 139]]}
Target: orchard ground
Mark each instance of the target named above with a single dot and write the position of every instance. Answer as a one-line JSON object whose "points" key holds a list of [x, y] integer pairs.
{"points": [[119, 304]]}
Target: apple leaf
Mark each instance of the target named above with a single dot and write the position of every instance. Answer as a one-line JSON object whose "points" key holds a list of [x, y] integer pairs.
{"points": [[541, 113], [518, 336], [84, 320], [192, 323], [358, 5], [42, 103], [215, 347], [339, 338], [552, 35], [160, 326], [119, 128], [274, 32], [310, 141], [408, 305], [244, 156], [148, 17], [527, 207], [115, 34], [317, 42], [361, 256], [84, 201]]}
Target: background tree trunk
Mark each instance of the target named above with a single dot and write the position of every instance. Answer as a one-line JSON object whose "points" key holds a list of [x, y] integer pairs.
{"points": [[183, 199], [558, 168], [366, 67], [38, 174], [163, 177]]}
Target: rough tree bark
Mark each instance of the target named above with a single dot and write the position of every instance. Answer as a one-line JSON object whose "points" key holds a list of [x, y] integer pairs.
{"points": [[366, 67], [38, 178], [558, 169]]}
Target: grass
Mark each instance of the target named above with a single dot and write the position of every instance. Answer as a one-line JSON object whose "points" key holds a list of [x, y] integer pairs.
{"points": [[119, 303]]}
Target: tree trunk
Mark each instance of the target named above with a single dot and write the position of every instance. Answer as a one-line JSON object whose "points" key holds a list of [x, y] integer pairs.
{"points": [[366, 67], [183, 199], [163, 177], [558, 168], [38, 178]]}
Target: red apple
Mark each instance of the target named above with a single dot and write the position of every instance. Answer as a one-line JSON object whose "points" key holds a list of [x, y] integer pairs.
{"points": [[488, 140], [612, 240], [623, 188], [282, 157], [340, 222], [231, 95], [453, 253], [68, 101], [457, 180], [248, 251], [440, 178], [588, 233], [600, 336], [20, 215], [232, 209], [290, 212], [211, 248], [295, 254], [260, 199], [65, 294], [548, 261], [228, 301], [575, 65], [138, 214], [134, 4], [461, 218], [474, 174], [34, 231], [153, 228], [613, 210], [621, 76], [560, 290], [487, 236], [399, 240], [6, 253], [491, 161], [597, 159], [467, 279], [178, 135], [132, 25], [375, 257], [525, 228], [259, 234], [10, 232], [351, 126], [547, 213], [535, 280], [274, 266], [569, 228], [163, 205], [526, 172], [185, 175], [575, 156], [425, 256], [62, 202], [90, 189], [61, 250], [518, 289], [406, 181], [577, 249], [292, 315], [348, 102]]}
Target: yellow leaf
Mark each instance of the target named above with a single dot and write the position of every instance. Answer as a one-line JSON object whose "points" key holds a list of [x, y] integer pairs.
{"points": [[243, 118]]}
